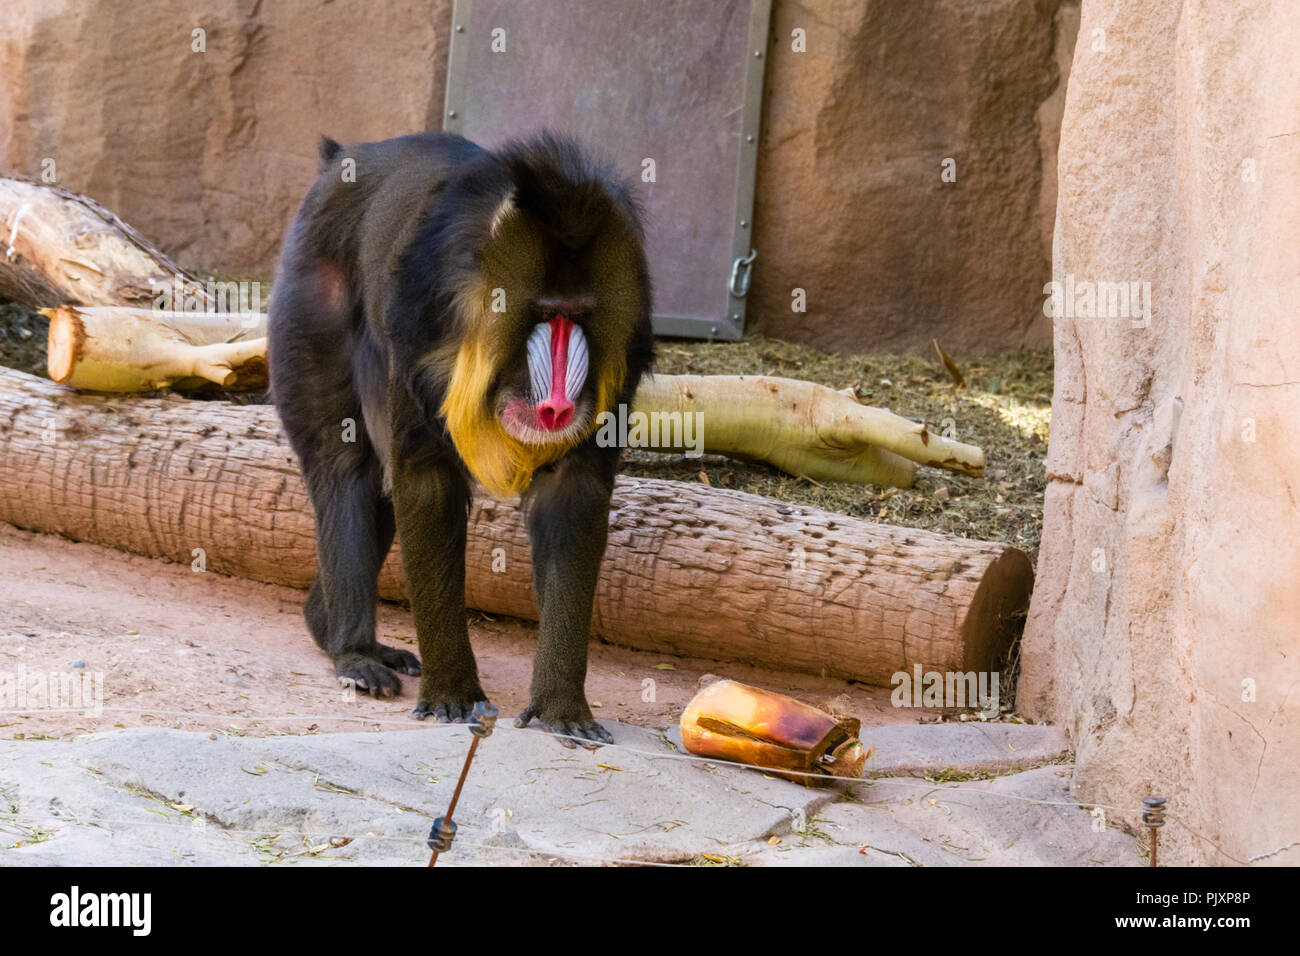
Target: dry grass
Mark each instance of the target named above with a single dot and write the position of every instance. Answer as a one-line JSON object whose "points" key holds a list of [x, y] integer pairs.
{"points": [[1005, 408]]}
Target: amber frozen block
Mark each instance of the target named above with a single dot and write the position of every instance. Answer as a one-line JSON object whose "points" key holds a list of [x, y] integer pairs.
{"points": [[734, 721]]}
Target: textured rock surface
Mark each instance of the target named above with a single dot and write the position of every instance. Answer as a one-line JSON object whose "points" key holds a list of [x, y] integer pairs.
{"points": [[850, 203], [1163, 625], [153, 796], [209, 153]]}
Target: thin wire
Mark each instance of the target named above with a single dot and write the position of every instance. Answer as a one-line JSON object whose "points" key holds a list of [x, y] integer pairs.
{"points": [[1259, 856], [221, 828], [898, 781], [1246, 862], [578, 859]]}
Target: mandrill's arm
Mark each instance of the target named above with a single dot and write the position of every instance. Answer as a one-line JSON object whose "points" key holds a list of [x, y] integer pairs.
{"points": [[567, 509], [431, 501]]}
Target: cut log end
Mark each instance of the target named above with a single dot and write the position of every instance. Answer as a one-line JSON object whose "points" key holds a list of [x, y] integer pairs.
{"points": [[67, 342], [120, 349], [997, 610]]}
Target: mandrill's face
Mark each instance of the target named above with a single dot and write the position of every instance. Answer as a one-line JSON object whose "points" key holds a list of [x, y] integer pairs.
{"points": [[551, 398], [550, 320]]}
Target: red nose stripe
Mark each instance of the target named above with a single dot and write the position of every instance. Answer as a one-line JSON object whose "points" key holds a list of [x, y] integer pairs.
{"points": [[557, 411], [560, 327]]}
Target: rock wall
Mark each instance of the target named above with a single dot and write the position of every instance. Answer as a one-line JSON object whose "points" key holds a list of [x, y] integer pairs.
{"points": [[851, 205], [1163, 630], [209, 153]]}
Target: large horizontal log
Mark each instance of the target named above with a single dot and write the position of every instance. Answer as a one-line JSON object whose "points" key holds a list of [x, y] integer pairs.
{"points": [[690, 570]]}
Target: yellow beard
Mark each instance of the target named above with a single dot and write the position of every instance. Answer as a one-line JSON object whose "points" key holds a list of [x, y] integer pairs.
{"points": [[500, 462]]}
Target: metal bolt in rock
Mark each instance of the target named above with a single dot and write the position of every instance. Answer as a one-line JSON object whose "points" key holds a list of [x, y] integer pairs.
{"points": [[1153, 817]]}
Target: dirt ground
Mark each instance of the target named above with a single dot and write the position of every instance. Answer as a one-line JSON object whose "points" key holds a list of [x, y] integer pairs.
{"points": [[198, 651]]}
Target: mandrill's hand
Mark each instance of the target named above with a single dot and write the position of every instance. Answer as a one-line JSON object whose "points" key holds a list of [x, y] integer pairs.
{"points": [[568, 716]]}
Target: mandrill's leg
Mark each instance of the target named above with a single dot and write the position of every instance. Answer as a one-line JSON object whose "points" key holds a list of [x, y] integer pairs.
{"points": [[314, 355], [354, 530], [431, 498], [568, 523]]}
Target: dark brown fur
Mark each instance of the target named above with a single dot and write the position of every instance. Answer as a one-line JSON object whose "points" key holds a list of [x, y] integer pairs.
{"points": [[377, 317]]}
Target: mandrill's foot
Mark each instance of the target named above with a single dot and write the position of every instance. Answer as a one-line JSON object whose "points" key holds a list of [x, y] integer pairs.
{"points": [[569, 719], [447, 705], [404, 662], [375, 670]]}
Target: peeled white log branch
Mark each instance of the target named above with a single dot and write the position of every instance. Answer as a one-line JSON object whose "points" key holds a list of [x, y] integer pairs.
{"points": [[805, 428], [118, 349], [801, 427]]}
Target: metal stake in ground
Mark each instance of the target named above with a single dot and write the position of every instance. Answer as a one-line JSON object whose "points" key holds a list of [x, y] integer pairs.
{"points": [[443, 830], [1153, 817]]}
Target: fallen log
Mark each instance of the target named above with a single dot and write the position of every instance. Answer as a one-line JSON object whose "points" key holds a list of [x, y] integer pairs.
{"points": [[117, 349], [804, 428], [690, 570], [58, 247]]}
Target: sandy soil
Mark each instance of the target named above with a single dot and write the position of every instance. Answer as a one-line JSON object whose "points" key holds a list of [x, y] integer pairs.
{"points": [[198, 651]]}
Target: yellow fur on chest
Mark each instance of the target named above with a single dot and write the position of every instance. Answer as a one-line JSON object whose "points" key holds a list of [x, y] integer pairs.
{"points": [[501, 463]]}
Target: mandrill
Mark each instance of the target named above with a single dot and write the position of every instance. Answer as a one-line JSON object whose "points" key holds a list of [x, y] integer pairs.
{"points": [[442, 312]]}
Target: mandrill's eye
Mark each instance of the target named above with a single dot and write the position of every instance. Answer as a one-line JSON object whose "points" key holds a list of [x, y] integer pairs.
{"points": [[557, 367]]}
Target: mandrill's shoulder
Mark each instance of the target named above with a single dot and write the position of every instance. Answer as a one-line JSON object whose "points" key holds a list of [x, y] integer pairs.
{"points": [[357, 177]]}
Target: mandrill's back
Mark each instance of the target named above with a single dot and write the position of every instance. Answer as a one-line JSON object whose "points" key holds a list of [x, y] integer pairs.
{"points": [[363, 210], [333, 286]]}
